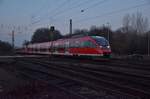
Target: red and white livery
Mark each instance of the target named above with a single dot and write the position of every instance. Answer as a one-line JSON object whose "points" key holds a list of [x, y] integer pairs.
{"points": [[96, 46]]}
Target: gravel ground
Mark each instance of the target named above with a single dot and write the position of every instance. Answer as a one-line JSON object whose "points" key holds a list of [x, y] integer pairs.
{"points": [[8, 80], [14, 86]]}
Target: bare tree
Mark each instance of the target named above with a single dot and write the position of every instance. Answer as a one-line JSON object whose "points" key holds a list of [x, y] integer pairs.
{"points": [[139, 23], [135, 22], [126, 23]]}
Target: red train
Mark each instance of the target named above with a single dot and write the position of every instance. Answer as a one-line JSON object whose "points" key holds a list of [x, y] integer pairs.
{"points": [[89, 46]]}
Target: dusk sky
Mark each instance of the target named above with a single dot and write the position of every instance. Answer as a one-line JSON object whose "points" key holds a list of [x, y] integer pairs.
{"points": [[25, 16]]}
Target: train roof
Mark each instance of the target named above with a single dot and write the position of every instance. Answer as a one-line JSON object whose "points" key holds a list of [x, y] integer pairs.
{"points": [[97, 36], [63, 40]]}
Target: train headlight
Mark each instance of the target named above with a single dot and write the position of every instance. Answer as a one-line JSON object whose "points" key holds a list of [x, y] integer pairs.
{"points": [[101, 46], [108, 46]]}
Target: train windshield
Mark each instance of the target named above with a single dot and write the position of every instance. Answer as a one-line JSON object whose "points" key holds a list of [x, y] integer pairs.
{"points": [[101, 41]]}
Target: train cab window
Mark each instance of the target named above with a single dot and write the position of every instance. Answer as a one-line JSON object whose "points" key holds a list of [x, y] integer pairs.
{"points": [[101, 41]]}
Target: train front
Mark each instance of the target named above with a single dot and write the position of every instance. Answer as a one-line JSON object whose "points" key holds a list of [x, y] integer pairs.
{"points": [[103, 46]]}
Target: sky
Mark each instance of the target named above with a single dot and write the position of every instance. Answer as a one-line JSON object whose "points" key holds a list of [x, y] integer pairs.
{"points": [[25, 16]]}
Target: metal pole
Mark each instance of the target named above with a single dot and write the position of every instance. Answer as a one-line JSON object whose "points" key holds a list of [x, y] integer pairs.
{"points": [[148, 52], [13, 39], [70, 27], [108, 32], [52, 29]]}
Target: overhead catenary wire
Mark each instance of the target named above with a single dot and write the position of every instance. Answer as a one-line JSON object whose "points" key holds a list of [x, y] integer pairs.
{"points": [[55, 9], [94, 5], [110, 13], [64, 10], [69, 9], [34, 14], [90, 7], [60, 6], [103, 15]]}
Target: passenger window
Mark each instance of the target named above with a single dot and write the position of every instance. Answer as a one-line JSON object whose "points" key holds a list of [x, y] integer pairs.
{"points": [[88, 44], [77, 44]]}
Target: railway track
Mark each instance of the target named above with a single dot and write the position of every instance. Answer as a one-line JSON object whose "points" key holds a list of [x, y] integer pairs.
{"points": [[124, 83], [120, 66], [110, 62], [64, 82]]}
